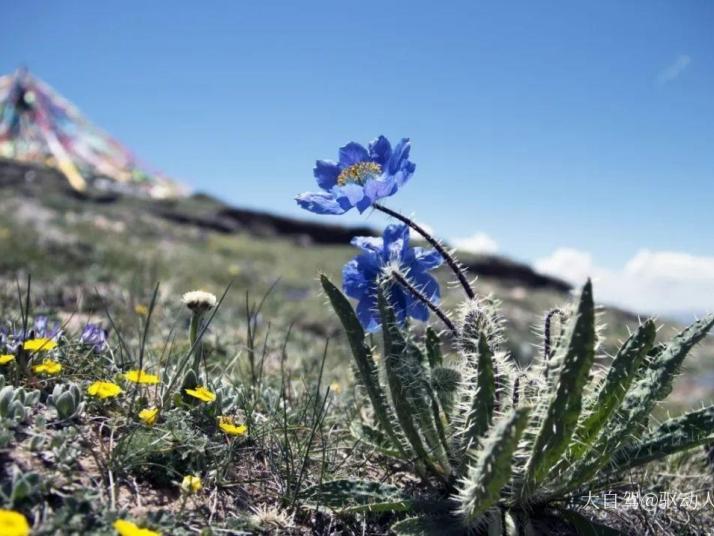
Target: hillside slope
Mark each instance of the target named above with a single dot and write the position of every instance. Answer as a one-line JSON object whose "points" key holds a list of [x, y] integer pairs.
{"points": [[117, 246]]}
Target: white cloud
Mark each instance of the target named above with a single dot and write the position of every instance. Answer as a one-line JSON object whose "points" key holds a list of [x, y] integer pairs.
{"points": [[476, 243], [572, 265], [676, 68], [663, 282]]}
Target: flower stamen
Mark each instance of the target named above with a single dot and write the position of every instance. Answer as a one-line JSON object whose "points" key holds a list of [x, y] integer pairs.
{"points": [[359, 173]]}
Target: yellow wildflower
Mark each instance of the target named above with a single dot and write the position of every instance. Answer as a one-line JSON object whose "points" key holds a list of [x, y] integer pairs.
{"points": [[336, 388], [191, 484], [202, 394], [39, 345], [13, 523], [140, 376], [149, 415], [127, 528], [102, 389], [229, 427], [141, 309], [6, 358], [47, 367]]}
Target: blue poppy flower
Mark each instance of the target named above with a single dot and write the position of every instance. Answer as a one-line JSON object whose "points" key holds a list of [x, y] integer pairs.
{"points": [[379, 258], [360, 177]]}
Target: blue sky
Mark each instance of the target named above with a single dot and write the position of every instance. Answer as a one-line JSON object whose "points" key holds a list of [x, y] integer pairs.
{"points": [[545, 126]]}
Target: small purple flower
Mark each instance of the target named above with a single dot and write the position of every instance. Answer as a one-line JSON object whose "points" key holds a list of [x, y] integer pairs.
{"points": [[44, 330], [94, 335], [381, 256], [41, 329], [360, 177]]}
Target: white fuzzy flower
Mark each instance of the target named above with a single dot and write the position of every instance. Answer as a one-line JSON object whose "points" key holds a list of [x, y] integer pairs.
{"points": [[199, 301]]}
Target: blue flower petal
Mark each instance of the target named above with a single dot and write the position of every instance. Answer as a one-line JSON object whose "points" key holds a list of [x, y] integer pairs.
{"points": [[359, 274], [419, 310], [351, 193], [376, 189], [404, 174], [399, 302], [427, 285], [428, 259], [354, 282], [396, 171], [352, 153], [400, 155], [326, 174], [320, 203], [368, 243], [396, 241], [367, 314], [380, 151]]}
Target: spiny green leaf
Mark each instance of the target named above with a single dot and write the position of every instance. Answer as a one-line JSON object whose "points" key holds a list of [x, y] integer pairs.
{"points": [[578, 350], [374, 438], [445, 382], [617, 382], [687, 431], [481, 488], [352, 496], [433, 348], [480, 413], [655, 384], [586, 527], [445, 379], [406, 384], [428, 526], [368, 372]]}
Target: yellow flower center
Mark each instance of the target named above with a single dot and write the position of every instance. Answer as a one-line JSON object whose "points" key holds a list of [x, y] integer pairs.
{"points": [[359, 173]]}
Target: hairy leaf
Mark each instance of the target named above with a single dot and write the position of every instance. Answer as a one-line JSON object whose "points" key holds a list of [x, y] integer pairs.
{"points": [[407, 383], [481, 488], [655, 384], [368, 372], [586, 527], [674, 435], [433, 348], [352, 496], [620, 376], [562, 415], [428, 526], [478, 419]]}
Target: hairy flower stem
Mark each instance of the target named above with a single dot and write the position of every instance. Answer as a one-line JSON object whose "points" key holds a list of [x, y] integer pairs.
{"points": [[450, 260], [399, 278], [193, 337]]}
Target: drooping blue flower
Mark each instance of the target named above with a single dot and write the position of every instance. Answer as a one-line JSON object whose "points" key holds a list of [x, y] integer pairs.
{"points": [[379, 258], [360, 177], [94, 335]]}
